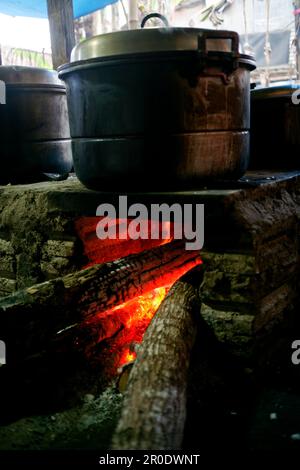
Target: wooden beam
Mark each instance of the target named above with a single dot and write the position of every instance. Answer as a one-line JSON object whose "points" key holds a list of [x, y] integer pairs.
{"points": [[61, 20]]}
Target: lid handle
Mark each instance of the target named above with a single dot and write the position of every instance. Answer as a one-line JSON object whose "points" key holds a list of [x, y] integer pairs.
{"points": [[155, 15]]}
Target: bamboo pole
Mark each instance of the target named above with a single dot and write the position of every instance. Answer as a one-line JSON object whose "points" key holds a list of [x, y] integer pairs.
{"points": [[133, 14]]}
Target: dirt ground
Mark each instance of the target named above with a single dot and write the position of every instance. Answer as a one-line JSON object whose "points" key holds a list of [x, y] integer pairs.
{"points": [[86, 426]]}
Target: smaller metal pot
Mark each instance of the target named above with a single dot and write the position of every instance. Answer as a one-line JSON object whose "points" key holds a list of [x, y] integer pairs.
{"points": [[34, 126], [275, 128]]}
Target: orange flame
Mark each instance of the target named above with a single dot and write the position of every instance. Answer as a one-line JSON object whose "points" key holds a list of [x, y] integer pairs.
{"points": [[139, 313], [128, 356], [144, 307]]}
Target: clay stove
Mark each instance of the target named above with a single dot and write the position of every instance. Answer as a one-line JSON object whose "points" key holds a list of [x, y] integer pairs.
{"points": [[250, 260]]}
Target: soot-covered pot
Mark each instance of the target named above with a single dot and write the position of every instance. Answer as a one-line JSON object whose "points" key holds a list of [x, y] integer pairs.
{"points": [[161, 108]]}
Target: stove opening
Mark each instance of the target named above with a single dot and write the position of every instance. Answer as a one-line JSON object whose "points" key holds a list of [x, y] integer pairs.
{"points": [[118, 331]]}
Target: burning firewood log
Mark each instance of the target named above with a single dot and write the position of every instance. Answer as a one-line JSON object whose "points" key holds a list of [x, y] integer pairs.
{"points": [[30, 318], [154, 408], [98, 252]]}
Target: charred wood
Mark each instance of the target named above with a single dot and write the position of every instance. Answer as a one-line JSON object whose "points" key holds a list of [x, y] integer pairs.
{"points": [[31, 317], [154, 409]]}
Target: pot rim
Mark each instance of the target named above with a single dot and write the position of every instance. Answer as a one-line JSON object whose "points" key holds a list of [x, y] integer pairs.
{"points": [[213, 58], [274, 91], [25, 76]]}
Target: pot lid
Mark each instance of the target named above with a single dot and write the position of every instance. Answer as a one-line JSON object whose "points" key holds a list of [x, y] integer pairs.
{"points": [[20, 75], [153, 40], [275, 90]]}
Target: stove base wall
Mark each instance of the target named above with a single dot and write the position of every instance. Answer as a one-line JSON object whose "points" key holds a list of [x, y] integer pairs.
{"points": [[251, 253]]}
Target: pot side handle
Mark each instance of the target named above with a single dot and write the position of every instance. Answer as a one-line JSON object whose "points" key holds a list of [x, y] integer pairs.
{"points": [[204, 36]]}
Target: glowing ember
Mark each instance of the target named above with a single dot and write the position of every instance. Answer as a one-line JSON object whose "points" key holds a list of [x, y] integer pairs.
{"points": [[119, 330], [144, 307], [139, 313], [127, 357]]}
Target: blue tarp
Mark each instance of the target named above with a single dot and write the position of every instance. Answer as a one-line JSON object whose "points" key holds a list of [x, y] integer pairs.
{"points": [[38, 8]]}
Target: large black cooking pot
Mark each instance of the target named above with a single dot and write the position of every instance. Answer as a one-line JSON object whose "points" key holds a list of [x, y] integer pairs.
{"points": [[275, 127], [158, 108], [34, 126]]}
